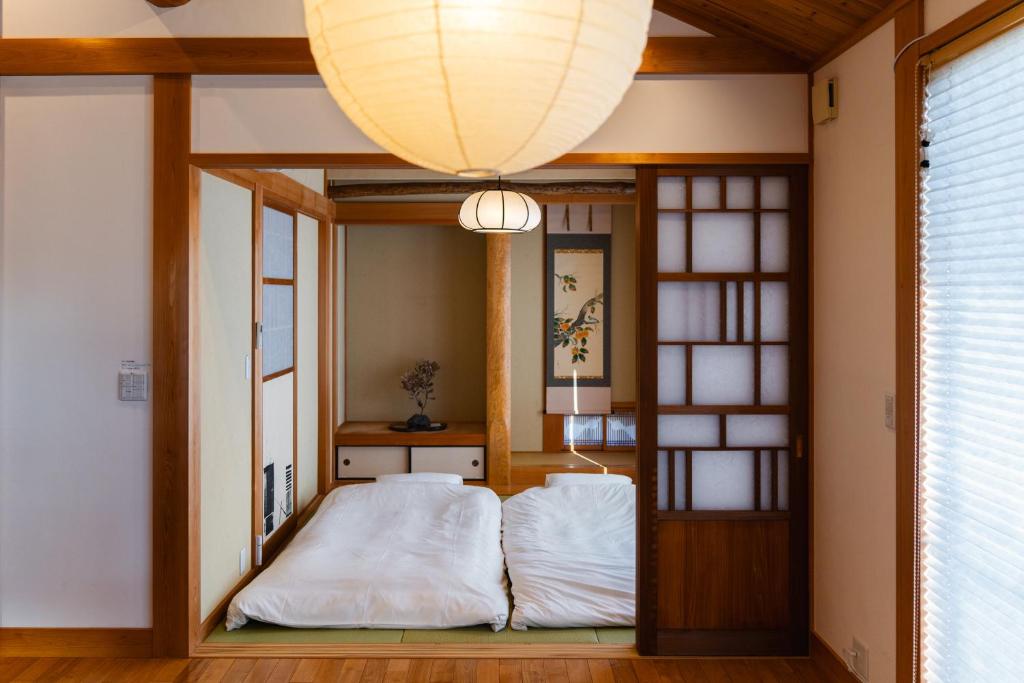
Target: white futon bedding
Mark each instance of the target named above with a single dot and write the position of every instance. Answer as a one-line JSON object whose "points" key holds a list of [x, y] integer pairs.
{"points": [[387, 555], [571, 555]]}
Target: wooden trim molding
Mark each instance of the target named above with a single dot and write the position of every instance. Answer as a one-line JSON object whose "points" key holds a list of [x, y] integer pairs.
{"points": [[76, 642], [964, 24], [909, 25], [295, 195], [378, 160], [291, 56], [175, 372], [829, 661]]}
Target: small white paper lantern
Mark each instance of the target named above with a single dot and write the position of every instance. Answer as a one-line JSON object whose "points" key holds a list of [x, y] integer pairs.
{"points": [[478, 88], [499, 211]]}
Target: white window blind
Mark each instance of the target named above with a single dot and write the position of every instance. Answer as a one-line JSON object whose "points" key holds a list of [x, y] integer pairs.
{"points": [[972, 370]]}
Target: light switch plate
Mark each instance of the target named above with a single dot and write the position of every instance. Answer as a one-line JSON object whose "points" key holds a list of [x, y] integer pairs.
{"points": [[890, 412]]}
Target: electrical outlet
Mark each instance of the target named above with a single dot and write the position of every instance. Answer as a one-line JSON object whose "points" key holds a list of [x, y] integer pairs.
{"points": [[242, 556], [890, 412], [857, 660]]}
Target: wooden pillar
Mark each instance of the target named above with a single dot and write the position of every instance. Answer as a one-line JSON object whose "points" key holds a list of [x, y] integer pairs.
{"points": [[175, 372], [499, 359]]}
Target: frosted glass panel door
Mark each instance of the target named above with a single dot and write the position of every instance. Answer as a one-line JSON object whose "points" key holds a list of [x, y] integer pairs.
{"points": [[723, 255], [722, 322]]}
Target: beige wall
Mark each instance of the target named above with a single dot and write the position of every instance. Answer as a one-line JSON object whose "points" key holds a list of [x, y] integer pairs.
{"points": [[307, 338], [854, 492], [225, 332], [528, 327], [528, 341], [414, 292]]}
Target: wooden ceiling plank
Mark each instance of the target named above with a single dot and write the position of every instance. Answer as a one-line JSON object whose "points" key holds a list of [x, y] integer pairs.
{"points": [[868, 27], [852, 14], [738, 20], [818, 15], [695, 19], [783, 23], [743, 28]]}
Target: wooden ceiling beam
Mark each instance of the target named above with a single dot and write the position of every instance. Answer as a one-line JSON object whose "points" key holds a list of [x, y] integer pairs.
{"points": [[291, 56], [395, 189], [716, 56], [168, 3]]}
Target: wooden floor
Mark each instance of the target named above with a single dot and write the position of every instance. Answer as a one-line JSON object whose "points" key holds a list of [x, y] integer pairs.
{"points": [[426, 670]]}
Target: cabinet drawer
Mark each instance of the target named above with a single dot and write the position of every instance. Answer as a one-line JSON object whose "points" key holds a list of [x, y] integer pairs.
{"points": [[466, 461], [367, 462]]}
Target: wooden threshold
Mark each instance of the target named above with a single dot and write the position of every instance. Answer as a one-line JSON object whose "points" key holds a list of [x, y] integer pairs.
{"points": [[419, 651]]}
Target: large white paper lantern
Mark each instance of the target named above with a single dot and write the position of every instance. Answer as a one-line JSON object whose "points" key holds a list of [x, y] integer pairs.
{"points": [[499, 211], [478, 87]]}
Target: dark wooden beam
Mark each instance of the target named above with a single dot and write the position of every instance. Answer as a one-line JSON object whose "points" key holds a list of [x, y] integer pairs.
{"points": [[394, 189], [123, 56], [168, 3]]}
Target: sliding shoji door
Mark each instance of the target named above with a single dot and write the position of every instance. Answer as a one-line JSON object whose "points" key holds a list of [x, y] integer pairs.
{"points": [[722, 347], [274, 398]]}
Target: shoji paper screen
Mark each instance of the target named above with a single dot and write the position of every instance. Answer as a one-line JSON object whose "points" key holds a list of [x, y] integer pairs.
{"points": [[723, 342], [972, 368]]}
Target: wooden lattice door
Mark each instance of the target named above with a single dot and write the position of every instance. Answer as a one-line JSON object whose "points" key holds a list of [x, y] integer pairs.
{"points": [[722, 410]]}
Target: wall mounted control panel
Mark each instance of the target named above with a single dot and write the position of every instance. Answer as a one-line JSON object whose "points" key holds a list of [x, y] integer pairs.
{"points": [[133, 381]]}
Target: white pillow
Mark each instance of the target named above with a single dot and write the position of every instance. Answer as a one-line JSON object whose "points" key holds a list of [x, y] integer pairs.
{"points": [[581, 479], [420, 478]]}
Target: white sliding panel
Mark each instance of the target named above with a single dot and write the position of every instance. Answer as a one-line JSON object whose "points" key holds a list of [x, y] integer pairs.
{"points": [[225, 338]]}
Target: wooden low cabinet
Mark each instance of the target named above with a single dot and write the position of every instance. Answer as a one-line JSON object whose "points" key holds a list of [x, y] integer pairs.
{"points": [[366, 450], [465, 461]]}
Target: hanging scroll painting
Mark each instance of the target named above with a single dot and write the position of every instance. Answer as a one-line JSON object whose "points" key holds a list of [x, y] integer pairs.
{"points": [[578, 312]]}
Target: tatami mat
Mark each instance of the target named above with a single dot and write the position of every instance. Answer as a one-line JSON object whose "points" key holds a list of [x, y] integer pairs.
{"points": [[255, 632]]}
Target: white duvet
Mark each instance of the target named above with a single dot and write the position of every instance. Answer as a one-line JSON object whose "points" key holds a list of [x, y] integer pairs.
{"points": [[387, 555], [571, 555]]}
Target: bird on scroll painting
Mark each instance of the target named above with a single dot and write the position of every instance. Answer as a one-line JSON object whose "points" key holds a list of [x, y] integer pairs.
{"points": [[575, 331]]}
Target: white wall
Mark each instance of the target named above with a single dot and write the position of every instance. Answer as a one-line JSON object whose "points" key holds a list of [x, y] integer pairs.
{"points": [[693, 114], [75, 474], [225, 404]]}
